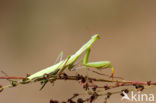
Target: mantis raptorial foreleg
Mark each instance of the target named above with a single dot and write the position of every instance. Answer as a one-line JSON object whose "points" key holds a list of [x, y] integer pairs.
{"points": [[99, 64]]}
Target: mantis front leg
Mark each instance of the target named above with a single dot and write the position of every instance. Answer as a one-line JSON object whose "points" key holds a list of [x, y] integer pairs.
{"points": [[99, 64]]}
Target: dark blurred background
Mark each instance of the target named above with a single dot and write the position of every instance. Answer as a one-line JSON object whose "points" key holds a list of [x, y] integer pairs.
{"points": [[33, 32]]}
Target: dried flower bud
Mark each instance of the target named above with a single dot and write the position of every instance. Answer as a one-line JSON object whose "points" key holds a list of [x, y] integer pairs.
{"points": [[65, 76], [92, 98], [86, 86], [109, 94], [1, 88], [122, 94], [94, 88], [71, 101], [106, 87], [54, 101], [148, 83], [125, 90], [76, 94], [139, 87], [83, 80], [80, 100]]}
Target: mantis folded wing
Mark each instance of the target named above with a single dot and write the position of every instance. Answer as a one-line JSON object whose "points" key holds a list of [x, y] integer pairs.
{"points": [[69, 61]]}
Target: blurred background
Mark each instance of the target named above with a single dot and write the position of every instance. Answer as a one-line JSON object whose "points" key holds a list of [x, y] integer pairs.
{"points": [[33, 32]]}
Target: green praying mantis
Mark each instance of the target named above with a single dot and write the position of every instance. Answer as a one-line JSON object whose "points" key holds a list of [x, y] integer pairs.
{"points": [[70, 60]]}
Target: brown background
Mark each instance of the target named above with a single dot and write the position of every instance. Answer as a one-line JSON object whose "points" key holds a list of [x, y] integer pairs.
{"points": [[32, 34]]}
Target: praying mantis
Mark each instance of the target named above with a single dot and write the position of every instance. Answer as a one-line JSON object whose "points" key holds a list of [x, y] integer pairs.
{"points": [[70, 60]]}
